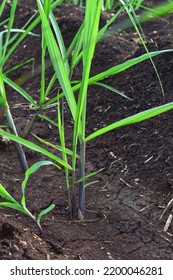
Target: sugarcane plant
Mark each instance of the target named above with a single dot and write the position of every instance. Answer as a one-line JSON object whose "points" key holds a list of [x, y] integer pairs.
{"points": [[78, 106], [75, 94]]}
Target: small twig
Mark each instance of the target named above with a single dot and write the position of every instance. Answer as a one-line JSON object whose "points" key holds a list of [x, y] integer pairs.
{"points": [[79, 257], [167, 207], [127, 184], [141, 210], [168, 222], [167, 239], [148, 159]]}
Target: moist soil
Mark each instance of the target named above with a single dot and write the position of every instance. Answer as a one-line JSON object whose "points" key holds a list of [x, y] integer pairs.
{"points": [[124, 210]]}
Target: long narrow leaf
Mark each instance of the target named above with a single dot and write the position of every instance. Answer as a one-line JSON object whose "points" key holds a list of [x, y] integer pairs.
{"points": [[113, 90], [125, 65], [150, 113], [89, 175], [28, 173], [35, 147], [6, 195], [10, 24], [28, 29], [115, 70], [15, 206], [20, 90], [44, 212], [57, 61], [48, 119]]}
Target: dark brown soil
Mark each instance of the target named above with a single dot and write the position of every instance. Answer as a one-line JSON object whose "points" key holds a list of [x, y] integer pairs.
{"points": [[123, 210]]}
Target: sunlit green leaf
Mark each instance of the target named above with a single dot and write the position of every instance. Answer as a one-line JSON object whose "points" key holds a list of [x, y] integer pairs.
{"points": [[150, 113], [45, 211], [90, 175], [28, 173], [34, 147], [15, 206], [6, 195]]}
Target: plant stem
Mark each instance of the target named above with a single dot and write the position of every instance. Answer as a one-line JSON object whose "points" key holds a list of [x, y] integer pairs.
{"points": [[74, 202], [69, 203], [40, 228], [30, 125], [28, 213], [20, 152], [81, 175]]}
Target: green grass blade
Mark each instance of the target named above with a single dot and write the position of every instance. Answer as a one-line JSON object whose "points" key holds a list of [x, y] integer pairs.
{"points": [[46, 5], [50, 85], [61, 129], [56, 147], [10, 24], [131, 13], [44, 117], [19, 40], [3, 99], [113, 90], [28, 173], [18, 66], [60, 41], [2, 6], [57, 61], [20, 90], [44, 212], [154, 13], [15, 206], [115, 70], [92, 17], [35, 147], [74, 43], [28, 29], [6, 195], [76, 55], [150, 113], [90, 175], [90, 183], [123, 66]]}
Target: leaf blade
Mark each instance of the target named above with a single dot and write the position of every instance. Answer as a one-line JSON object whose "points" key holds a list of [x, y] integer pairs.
{"points": [[147, 114]]}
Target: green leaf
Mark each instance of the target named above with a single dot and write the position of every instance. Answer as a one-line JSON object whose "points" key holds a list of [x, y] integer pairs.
{"points": [[57, 61], [2, 6], [56, 147], [90, 183], [6, 195], [20, 90], [26, 32], [28, 173], [60, 41], [35, 147], [18, 66], [113, 89], [92, 17], [10, 25], [3, 99], [90, 175], [150, 113], [125, 65], [47, 119], [15, 206], [45, 211], [159, 11], [115, 70]]}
